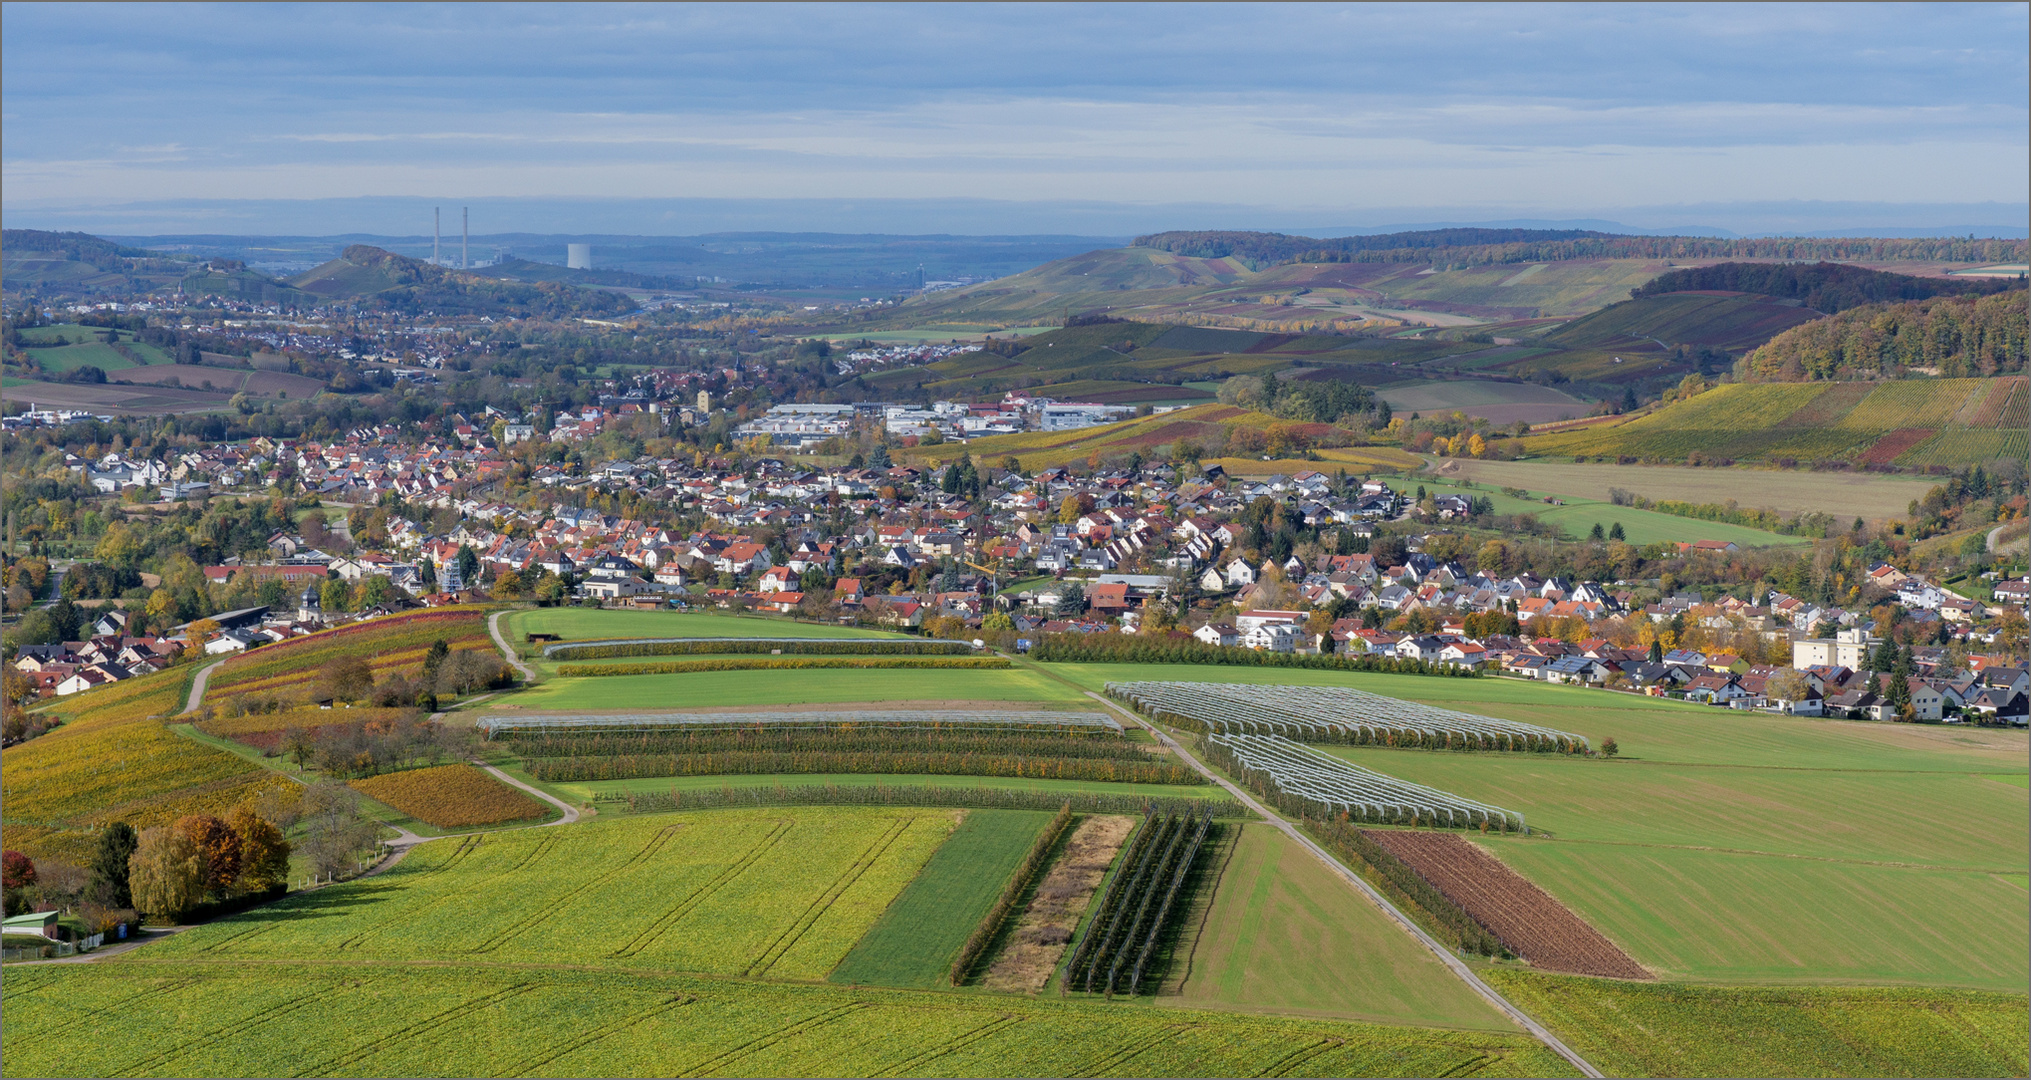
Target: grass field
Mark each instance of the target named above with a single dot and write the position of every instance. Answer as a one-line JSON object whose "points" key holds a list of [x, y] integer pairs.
{"points": [[341, 1018], [1843, 494], [1286, 935], [784, 893], [1630, 1029], [1741, 848], [1578, 516], [916, 940], [586, 791], [717, 689], [581, 624]]}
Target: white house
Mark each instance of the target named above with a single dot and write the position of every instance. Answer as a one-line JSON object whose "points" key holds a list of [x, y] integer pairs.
{"points": [[1218, 634]]}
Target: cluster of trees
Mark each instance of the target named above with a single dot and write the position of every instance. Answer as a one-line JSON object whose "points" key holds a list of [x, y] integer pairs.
{"points": [[1802, 524], [350, 679], [1477, 247], [1828, 288], [1330, 401], [371, 747], [1959, 336]]}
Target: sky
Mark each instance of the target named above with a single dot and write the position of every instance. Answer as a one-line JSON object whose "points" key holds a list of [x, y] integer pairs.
{"points": [[1091, 119]]}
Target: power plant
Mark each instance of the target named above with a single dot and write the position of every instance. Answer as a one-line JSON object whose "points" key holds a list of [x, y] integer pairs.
{"points": [[578, 256]]}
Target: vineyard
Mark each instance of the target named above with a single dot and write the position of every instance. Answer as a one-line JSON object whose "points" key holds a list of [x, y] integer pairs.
{"points": [[1143, 769], [115, 759], [1522, 916], [1082, 802], [1129, 923], [1333, 714], [349, 1018], [988, 720], [607, 650], [1315, 783], [396, 644], [774, 663], [452, 797], [1914, 423]]}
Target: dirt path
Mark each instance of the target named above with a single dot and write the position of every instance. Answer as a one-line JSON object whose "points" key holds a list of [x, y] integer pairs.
{"points": [[508, 654], [1995, 534], [197, 685], [570, 812], [1445, 955], [1045, 927], [109, 951]]}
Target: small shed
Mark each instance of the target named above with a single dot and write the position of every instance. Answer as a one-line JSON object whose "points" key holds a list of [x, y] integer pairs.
{"points": [[42, 923]]}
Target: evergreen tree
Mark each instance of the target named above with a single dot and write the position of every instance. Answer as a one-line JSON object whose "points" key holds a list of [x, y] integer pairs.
{"points": [[109, 883], [1616, 532]]}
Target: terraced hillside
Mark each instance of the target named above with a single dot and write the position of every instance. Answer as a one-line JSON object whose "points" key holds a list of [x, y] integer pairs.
{"points": [[1913, 423]]}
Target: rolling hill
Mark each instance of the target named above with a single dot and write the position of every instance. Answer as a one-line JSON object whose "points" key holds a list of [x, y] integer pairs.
{"points": [[371, 277], [1917, 423], [78, 264]]}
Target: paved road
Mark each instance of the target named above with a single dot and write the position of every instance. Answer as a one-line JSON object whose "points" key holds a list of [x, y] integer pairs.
{"points": [[501, 642], [1445, 955], [197, 686], [570, 812]]}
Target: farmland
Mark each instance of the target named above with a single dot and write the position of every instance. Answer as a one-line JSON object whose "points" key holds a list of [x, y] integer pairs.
{"points": [[1815, 422], [397, 643], [917, 938], [718, 689], [1575, 517], [1198, 424], [451, 796], [1638, 1030], [115, 761], [1843, 494], [1284, 934], [582, 624], [216, 1018]]}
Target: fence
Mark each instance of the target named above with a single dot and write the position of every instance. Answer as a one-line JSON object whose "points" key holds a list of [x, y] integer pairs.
{"points": [[54, 949]]}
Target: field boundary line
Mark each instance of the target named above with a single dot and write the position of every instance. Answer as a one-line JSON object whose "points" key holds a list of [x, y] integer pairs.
{"points": [[713, 1065], [705, 892], [1133, 1050], [1445, 955], [606, 1030], [821, 903], [531, 921], [1283, 1065], [228, 1030], [423, 1026]]}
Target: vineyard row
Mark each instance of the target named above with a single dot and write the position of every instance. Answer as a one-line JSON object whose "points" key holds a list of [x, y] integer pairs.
{"points": [[1335, 715], [1307, 781], [918, 795], [776, 663], [743, 763]]}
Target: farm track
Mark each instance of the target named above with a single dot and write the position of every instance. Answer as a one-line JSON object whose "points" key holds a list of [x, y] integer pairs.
{"points": [[530, 922], [431, 1023], [716, 1065], [705, 892], [823, 901], [1453, 963], [228, 1031], [604, 1031], [915, 1066], [1524, 917]]}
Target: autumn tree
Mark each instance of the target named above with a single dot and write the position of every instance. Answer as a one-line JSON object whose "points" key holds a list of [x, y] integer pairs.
{"points": [[166, 872], [264, 854], [348, 678], [220, 846]]}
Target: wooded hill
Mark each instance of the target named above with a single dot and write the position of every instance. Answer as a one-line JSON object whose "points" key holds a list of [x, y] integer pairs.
{"points": [[1825, 287], [375, 278], [1946, 335], [1472, 247]]}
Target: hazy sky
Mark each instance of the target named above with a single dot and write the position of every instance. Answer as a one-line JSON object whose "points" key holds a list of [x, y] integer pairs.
{"points": [[1311, 113]]}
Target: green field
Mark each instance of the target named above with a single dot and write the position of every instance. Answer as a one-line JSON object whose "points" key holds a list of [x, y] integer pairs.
{"points": [[783, 893], [586, 791], [220, 1018], [1739, 847], [1286, 935], [719, 689], [920, 935], [580, 624], [1843, 494], [1578, 516], [1630, 1029]]}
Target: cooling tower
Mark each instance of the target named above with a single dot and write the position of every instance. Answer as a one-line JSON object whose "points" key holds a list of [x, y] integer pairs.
{"points": [[578, 256]]}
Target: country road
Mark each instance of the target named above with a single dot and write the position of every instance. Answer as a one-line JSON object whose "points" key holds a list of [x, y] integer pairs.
{"points": [[508, 654], [197, 686], [1995, 533], [1445, 955]]}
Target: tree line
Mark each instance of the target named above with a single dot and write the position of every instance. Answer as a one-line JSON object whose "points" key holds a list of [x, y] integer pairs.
{"points": [[1958, 336], [1828, 288]]}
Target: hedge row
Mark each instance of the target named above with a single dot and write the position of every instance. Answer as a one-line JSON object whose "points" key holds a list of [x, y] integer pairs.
{"points": [[1019, 882], [743, 763], [1394, 877], [594, 650], [883, 795], [791, 740], [774, 663], [1130, 649]]}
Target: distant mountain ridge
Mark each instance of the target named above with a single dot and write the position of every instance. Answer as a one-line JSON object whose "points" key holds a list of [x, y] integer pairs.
{"points": [[1474, 247]]}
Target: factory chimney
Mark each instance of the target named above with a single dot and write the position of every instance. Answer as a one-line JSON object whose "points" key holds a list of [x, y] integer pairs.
{"points": [[465, 238], [436, 232]]}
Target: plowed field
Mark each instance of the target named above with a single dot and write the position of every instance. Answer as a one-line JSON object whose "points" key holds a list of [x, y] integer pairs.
{"points": [[1524, 917]]}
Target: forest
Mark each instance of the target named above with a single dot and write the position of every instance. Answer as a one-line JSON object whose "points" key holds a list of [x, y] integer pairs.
{"points": [[1955, 337], [1828, 288]]}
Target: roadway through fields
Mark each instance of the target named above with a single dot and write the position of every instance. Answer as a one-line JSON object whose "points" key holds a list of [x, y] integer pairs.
{"points": [[1445, 955]]}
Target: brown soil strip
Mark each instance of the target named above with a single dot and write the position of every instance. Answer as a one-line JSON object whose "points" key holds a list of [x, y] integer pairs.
{"points": [[1522, 916], [1045, 928], [1888, 448]]}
